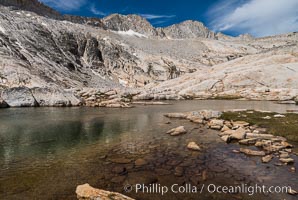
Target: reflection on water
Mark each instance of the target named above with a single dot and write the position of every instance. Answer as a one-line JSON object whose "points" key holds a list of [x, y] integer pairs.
{"points": [[48, 151]]}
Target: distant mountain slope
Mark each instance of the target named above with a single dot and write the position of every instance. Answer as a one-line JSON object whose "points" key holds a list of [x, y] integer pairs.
{"points": [[32, 5], [188, 29]]}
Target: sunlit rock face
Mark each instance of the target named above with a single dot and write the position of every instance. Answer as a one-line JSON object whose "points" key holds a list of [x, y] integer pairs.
{"points": [[47, 52]]}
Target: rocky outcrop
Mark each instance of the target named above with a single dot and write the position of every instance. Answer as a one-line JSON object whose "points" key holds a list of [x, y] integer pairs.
{"points": [[26, 97], [271, 78], [19, 97], [86, 192], [56, 98]]}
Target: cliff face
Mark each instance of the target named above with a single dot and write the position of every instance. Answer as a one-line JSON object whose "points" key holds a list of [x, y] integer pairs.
{"points": [[50, 60]]}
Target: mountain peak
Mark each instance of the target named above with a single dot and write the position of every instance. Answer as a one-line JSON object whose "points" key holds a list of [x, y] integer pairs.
{"points": [[118, 22], [188, 29]]}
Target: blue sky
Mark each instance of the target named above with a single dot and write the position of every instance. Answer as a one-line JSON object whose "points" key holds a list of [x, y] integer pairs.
{"points": [[233, 17]]}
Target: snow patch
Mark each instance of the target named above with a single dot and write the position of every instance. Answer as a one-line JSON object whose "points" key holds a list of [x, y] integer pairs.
{"points": [[2, 30], [123, 82], [44, 24], [132, 33]]}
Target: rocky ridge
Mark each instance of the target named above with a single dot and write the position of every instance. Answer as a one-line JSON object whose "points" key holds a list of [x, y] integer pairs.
{"points": [[188, 29]]}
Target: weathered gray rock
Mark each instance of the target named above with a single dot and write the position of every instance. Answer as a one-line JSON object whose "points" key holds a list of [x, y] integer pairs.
{"points": [[19, 97], [54, 97]]}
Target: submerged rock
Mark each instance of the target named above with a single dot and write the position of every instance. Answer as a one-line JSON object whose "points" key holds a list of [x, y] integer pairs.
{"points": [[140, 162], [287, 160], [193, 146], [179, 171], [252, 152], [120, 160], [141, 177], [86, 192], [177, 131], [176, 115], [267, 158]]}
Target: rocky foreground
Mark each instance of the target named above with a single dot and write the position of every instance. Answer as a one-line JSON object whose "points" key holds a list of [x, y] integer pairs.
{"points": [[265, 145], [253, 141], [49, 59]]}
